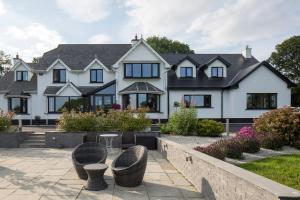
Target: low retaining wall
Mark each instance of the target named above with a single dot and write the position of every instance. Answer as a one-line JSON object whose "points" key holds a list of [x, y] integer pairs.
{"points": [[12, 139], [56, 139], [219, 180]]}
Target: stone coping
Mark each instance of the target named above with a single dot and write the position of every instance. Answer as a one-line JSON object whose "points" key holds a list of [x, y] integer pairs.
{"points": [[279, 190]]}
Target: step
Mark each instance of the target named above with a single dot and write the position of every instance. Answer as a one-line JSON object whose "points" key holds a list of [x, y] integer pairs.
{"points": [[36, 137], [33, 140], [32, 145]]}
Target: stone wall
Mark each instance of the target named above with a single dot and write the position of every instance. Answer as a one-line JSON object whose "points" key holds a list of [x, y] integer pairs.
{"points": [[12, 139], [219, 180]]}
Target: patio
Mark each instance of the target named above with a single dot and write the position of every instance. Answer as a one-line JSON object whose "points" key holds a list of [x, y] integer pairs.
{"points": [[44, 174]]}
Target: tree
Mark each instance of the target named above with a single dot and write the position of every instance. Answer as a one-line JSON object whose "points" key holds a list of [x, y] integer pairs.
{"points": [[165, 45], [286, 58], [36, 59], [5, 62]]}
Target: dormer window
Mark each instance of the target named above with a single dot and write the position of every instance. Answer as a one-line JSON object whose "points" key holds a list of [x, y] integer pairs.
{"points": [[186, 72], [217, 72], [59, 75], [22, 75], [96, 75]]}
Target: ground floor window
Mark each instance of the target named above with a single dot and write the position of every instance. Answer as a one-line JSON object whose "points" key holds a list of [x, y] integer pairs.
{"points": [[18, 105], [104, 101], [199, 101], [261, 100], [68, 103], [134, 101]]}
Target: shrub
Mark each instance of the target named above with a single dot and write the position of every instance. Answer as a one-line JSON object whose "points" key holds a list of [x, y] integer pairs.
{"points": [[212, 150], [165, 128], [133, 120], [232, 148], [209, 128], [5, 120], [249, 145], [246, 132], [296, 144], [270, 140], [284, 121], [184, 121]]}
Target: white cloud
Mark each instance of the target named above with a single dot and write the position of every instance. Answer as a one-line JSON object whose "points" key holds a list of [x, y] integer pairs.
{"points": [[2, 8], [85, 10], [99, 39], [29, 41]]}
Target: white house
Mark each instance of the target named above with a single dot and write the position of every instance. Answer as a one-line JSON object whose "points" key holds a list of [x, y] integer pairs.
{"points": [[92, 76]]}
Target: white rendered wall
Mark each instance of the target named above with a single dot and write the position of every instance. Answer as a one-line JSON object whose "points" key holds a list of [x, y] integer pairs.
{"points": [[21, 67], [216, 63], [186, 63]]}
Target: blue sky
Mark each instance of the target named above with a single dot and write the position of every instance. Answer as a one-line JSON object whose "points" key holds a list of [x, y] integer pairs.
{"points": [[31, 27]]}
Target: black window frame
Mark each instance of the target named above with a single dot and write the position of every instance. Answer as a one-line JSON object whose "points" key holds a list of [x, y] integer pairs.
{"points": [[142, 65], [218, 75], [91, 71], [112, 100], [138, 103], [59, 77], [205, 97], [22, 100], [22, 75], [269, 96], [185, 69], [68, 107]]}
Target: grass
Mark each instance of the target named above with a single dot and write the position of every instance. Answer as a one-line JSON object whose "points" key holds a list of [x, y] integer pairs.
{"points": [[282, 169]]}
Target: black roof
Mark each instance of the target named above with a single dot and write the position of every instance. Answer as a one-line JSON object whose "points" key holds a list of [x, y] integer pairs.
{"points": [[52, 90], [141, 87], [16, 88], [78, 56]]}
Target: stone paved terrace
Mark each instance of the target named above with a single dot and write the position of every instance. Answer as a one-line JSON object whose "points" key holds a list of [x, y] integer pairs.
{"points": [[45, 174]]}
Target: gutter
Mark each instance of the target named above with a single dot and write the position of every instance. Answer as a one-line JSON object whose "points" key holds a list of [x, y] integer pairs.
{"points": [[222, 91]]}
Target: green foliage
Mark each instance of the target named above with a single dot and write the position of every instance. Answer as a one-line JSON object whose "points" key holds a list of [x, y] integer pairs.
{"points": [[296, 144], [183, 122], [113, 120], [5, 120], [282, 169], [36, 59], [210, 128], [165, 128], [5, 62], [283, 121], [249, 144], [296, 96], [286, 58], [270, 140], [165, 45], [232, 148]]}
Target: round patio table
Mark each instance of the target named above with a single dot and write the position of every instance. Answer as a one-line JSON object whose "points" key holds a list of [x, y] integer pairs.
{"points": [[109, 139], [95, 174]]}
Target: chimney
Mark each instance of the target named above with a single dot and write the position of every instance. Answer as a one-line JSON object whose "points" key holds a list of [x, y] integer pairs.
{"points": [[247, 52], [16, 60], [135, 40]]}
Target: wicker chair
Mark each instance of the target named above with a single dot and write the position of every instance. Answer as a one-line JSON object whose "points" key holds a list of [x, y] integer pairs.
{"points": [[88, 153], [129, 167]]}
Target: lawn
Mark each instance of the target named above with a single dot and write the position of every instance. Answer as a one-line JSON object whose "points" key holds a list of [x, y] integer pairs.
{"points": [[283, 169]]}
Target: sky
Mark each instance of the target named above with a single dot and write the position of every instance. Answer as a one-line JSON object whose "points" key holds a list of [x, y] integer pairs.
{"points": [[32, 27]]}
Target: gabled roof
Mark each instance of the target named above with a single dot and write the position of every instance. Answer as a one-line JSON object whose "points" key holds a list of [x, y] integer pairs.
{"points": [[216, 58], [52, 90], [69, 84], [141, 87], [97, 89], [189, 59], [79, 56], [17, 88]]}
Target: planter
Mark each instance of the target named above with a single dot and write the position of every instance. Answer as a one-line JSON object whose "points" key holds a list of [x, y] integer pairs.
{"points": [[147, 139], [12, 139], [64, 139]]}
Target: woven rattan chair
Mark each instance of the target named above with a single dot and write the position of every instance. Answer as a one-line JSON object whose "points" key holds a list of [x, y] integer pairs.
{"points": [[129, 167], [88, 153]]}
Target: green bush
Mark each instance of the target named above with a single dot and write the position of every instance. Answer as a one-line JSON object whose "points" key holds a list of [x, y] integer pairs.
{"points": [[133, 120], [165, 128], [183, 122], [249, 144], [5, 120], [210, 128], [232, 148], [283, 121], [270, 140]]}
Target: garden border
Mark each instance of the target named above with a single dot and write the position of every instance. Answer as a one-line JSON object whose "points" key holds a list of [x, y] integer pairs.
{"points": [[13, 139]]}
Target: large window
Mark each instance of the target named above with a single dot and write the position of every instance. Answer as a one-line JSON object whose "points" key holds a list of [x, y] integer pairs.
{"points": [[141, 70], [261, 101], [22, 75], [104, 101], [18, 105], [96, 76], [199, 101], [149, 101], [59, 75], [217, 72], [186, 72], [59, 104]]}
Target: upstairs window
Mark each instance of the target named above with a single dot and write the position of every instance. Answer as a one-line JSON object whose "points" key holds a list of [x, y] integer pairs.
{"points": [[141, 70], [186, 72], [59, 75], [96, 76], [261, 101], [22, 75], [199, 101], [217, 72], [18, 105]]}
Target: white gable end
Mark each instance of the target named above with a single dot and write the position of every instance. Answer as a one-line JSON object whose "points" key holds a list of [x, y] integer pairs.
{"points": [[186, 63], [68, 90], [216, 63]]}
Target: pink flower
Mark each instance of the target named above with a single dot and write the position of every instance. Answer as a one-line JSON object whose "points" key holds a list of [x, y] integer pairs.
{"points": [[246, 132]]}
